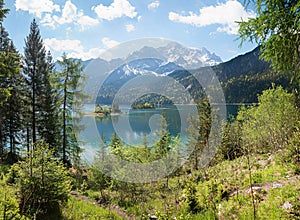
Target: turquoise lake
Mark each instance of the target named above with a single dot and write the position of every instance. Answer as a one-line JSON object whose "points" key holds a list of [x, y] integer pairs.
{"points": [[133, 125]]}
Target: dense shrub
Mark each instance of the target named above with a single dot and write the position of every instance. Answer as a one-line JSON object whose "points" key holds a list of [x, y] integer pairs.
{"points": [[41, 181]]}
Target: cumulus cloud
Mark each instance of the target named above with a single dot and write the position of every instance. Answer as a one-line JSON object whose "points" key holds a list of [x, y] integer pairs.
{"points": [[109, 43], [73, 48], [90, 54], [48, 21], [129, 27], [117, 9], [64, 45], [153, 5], [71, 15], [37, 7], [224, 14]]}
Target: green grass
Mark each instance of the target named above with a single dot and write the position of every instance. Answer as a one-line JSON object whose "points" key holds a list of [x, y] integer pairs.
{"points": [[81, 210]]}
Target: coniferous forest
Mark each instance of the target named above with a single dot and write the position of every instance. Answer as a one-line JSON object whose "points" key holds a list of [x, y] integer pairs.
{"points": [[255, 173]]}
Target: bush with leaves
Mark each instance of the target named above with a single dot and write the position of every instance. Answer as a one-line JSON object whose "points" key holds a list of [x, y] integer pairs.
{"points": [[268, 126], [42, 182], [9, 205]]}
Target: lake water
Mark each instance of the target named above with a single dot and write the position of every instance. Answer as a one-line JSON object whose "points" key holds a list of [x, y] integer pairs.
{"points": [[133, 125]]}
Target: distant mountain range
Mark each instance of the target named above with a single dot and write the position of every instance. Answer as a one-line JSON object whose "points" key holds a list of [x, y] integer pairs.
{"points": [[241, 78], [161, 60]]}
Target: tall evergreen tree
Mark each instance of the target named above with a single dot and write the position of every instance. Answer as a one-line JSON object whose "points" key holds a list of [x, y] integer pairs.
{"points": [[34, 65], [12, 109], [71, 99], [38, 67], [47, 122], [10, 80], [199, 131], [4, 91]]}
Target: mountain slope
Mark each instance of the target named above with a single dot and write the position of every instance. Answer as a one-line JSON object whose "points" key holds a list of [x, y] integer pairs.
{"points": [[241, 78]]}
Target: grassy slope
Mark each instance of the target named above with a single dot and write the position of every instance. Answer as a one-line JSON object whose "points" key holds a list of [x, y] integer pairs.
{"points": [[275, 185], [222, 191]]}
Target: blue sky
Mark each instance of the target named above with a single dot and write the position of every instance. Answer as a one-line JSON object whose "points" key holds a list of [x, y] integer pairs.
{"points": [[85, 28]]}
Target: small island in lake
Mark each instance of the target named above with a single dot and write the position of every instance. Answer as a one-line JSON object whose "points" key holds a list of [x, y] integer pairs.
{"points": [[105, 111], [146, 105]]}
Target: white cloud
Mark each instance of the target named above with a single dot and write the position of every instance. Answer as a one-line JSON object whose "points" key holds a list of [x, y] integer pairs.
{"points": [[91, 54], [48, 21], [109, 43], [64, 45], [153, 5], [129, 27], [69, 15], [73, 48], [117, 9], [86, 22], [225, 14], [37, 7]]}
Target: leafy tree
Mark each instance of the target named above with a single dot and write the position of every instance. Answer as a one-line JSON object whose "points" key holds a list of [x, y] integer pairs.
{"points": [[276, 28], [232, 140], [42, 183], [269, 125]]}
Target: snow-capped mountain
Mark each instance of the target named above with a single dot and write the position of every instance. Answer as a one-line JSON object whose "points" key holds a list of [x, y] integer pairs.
{"points": [[188, 58], [147, 60]]}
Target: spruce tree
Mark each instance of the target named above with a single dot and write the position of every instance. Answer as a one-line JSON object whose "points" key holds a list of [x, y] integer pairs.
{"points": [[4, 91], [71, 99], [10, 103], [38, 67]]}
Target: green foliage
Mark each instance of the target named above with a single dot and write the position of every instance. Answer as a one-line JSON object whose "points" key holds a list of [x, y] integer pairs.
{"points": [[269, 125], [69, 84], [9, 207], [199, 131], [145, 105], [231, 147], [41, 181], [276, 28], [79, 210], [291, 153]]}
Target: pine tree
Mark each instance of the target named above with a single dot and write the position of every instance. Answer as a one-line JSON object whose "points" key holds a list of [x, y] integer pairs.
{"points": [[10, 103], [34, 64], [12, 109], [38, 67], [4, 92], [71, 99], [48, 125], [199, 131]]}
